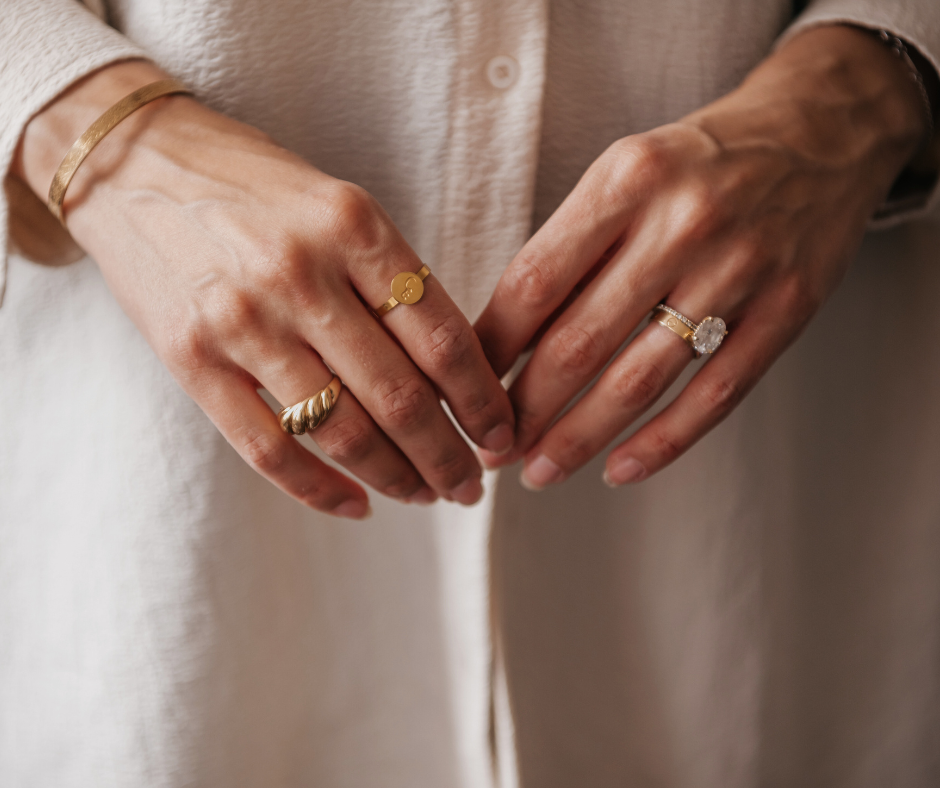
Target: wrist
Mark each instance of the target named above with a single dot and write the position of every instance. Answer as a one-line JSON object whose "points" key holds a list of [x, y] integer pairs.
{"points": [[51, 133], [835, 95]]}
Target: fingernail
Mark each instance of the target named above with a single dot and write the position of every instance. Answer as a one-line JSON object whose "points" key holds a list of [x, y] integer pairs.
{"points": [[492, 461], [623, 472], [424, 497], [354, 509], [468, 493], [499, 440], [540, 473]]}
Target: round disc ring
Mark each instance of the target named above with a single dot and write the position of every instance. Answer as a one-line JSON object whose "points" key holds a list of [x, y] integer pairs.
{"points": [[407, 288]]}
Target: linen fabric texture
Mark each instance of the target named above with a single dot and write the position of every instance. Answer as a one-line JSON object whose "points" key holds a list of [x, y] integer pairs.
{"points": [[764, 612]]}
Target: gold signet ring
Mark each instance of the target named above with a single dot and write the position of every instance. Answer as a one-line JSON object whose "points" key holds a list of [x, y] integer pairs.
{"points": [[310, 413], [407, 288]]}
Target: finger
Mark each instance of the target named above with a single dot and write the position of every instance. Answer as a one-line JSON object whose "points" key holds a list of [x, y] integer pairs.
{"points": [[591, 220], [252, 429], [441, 342], [750, 348], [632, 383], [637, 379], [395, 393], [292, 372], [583, 339]]}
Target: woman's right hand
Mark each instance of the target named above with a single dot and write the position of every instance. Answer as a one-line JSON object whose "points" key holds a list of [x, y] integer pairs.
{"points": [[246, 267]]}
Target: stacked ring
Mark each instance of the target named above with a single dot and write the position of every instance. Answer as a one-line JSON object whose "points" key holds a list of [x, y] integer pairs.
{"points": [[310, 413], [704, 338]]}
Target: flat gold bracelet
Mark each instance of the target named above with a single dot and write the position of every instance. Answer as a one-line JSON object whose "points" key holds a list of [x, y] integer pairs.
{"points": [[97, 131]]}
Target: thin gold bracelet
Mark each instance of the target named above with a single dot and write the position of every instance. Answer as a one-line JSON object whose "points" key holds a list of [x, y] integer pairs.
{"points": [[900, 50], [97, 131]]}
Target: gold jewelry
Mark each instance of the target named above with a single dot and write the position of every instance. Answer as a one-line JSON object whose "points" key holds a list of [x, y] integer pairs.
{"points": [[673, 323], [704, 338], [900, 50], [97, 131], [407, 288], [310, 413]]}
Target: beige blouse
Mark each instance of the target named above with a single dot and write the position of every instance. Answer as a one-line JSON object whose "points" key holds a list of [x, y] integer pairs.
{"points": [[765, 612]]}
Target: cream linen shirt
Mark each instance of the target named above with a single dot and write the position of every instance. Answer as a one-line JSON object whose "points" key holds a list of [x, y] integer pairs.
{"points": [[765, 612]]}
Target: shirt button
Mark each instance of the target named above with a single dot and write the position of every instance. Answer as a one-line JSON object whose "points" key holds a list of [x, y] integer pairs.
{"points": [[502, 72]]}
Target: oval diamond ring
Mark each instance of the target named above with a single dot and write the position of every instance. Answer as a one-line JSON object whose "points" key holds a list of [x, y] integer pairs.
{"points": [[704, 338]]}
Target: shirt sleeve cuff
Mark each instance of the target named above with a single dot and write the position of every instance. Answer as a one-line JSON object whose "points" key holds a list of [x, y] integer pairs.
{"points": [[45, 46], [917, 23]]}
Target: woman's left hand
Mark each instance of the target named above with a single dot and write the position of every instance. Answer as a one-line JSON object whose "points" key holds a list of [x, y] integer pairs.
{"points": [[749, 209]]}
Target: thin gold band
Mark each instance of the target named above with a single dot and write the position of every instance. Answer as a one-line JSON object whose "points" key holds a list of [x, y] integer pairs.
{"points": [[97, 131], [421, 274], [673, 323], [310, 413]]}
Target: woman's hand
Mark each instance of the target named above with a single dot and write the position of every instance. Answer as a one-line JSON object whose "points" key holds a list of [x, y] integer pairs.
{"points": [[244, 266], [749, 210]]}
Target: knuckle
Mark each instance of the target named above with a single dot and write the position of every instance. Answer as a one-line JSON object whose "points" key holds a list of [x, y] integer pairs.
{"points": [[185, 348], [481, 408], [279, 266], [448, 345], [529, 426], [721, 395], [631, 164], [665, 448], [347, 440], [745, 266], [749, 250], [798, 299], [449, 468], [403, 402], [637, 157], [571, 451], [231, 314], [296, 274], [266, 453], [699, 213], [402, 486], [638, 386], [575, 351], [531, 282], [353, 218]]}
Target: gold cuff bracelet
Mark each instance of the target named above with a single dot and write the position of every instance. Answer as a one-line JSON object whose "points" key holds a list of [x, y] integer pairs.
{"points": [[97, 131]]}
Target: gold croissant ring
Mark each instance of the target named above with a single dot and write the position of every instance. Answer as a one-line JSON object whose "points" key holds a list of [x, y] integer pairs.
{"points": [[407, 288], [310, 413]]}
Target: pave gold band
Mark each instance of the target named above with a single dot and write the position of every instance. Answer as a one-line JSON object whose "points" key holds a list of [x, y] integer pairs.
{"points": [[407, 288], [678, 315], [310, 413], [97, 131], [704, 338], [674, 324]]}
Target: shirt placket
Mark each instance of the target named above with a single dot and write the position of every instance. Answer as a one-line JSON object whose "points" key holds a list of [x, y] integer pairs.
{"points": [[493, 142]]}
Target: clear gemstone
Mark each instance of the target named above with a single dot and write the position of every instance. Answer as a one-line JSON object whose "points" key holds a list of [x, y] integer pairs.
{"points": [[708, 335]]}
